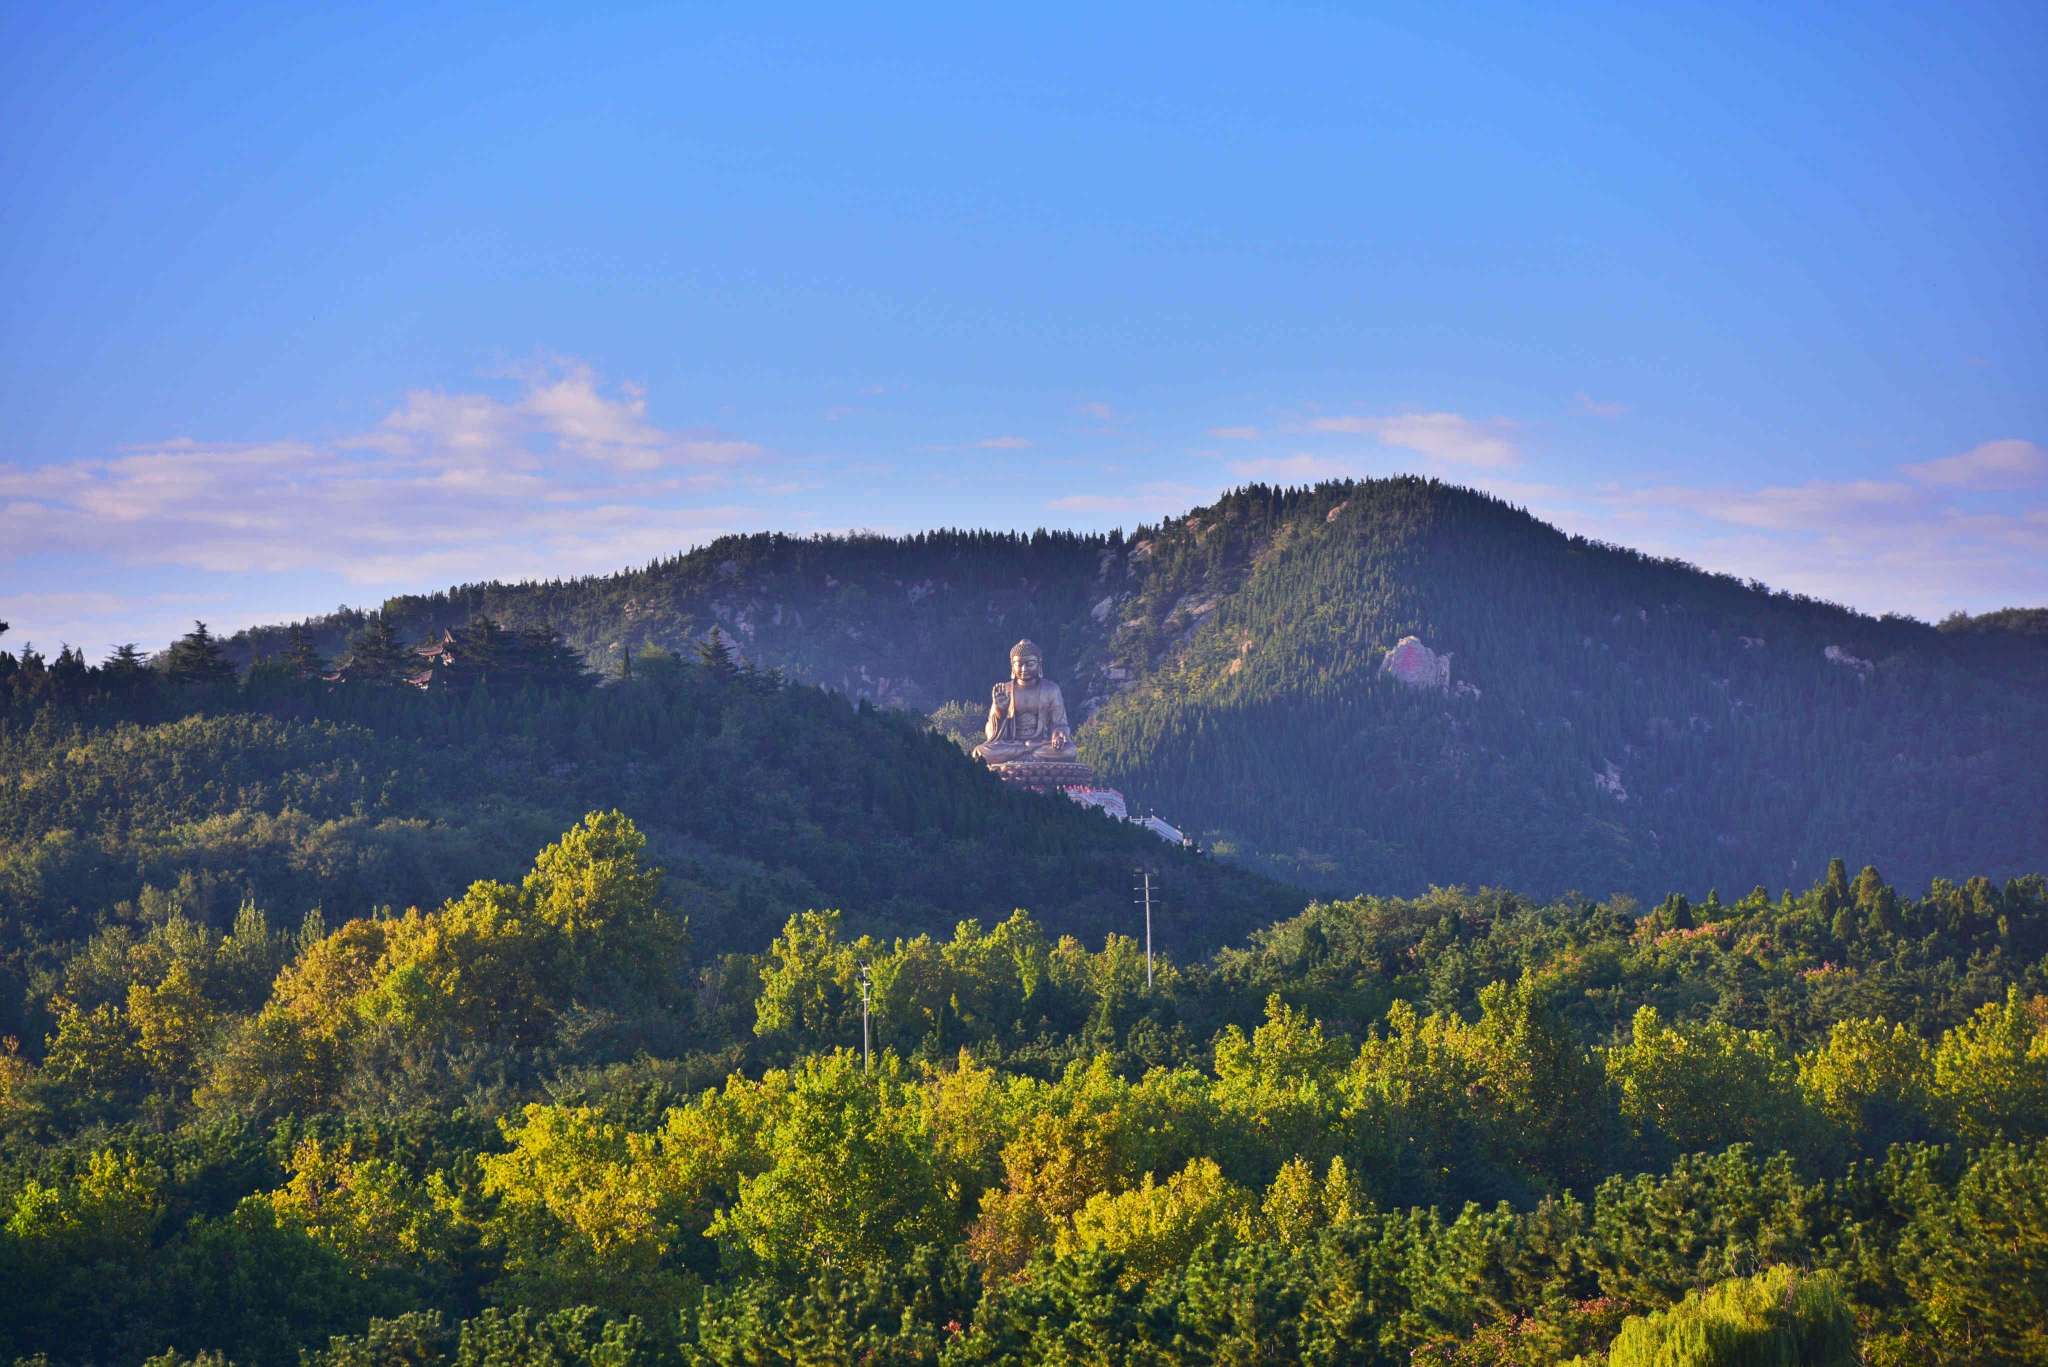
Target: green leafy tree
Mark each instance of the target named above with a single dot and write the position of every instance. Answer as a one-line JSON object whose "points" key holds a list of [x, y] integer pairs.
{"points": [[1991, 1072], [1153, 1229], [1702, 1087], [1775, 1316], [849, 1180], [1872, 1079], [370, 1211]]}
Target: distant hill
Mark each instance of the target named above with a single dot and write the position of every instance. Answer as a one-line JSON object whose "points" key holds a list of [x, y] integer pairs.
{"points": [[1609, 721], [760, 798]]}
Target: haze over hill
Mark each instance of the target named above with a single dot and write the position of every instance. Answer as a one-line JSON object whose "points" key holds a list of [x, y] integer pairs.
{"points": [[1607, 721]]}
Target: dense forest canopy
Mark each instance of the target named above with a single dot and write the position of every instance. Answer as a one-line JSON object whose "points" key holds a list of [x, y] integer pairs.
{"points": [[1610, 721], [537, 1123]]}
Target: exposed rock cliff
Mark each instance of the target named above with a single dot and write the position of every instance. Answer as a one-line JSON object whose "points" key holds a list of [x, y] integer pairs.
{"points": [[1416, 665]]}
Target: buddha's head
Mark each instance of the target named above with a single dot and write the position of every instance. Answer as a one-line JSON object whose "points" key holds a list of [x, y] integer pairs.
{"points": [[1027, 665]]}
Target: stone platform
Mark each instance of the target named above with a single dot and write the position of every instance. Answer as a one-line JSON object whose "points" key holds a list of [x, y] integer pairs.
{"points": [[1045, 776]]}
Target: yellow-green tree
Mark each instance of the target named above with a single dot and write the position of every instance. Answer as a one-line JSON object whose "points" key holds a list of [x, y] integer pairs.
{"points": [[1091, 1132], [1991, 1072], [1869, 1077], [1155, 1227], [1778, 1316], [1709, 1085], [850, 1178], [971, 1112], [1278, 1092], [808, 978], [94, 1052], [173, 1021], [1298, 1203], [112, 1207], [369, 1210], [590, 1212], [478, 968]]}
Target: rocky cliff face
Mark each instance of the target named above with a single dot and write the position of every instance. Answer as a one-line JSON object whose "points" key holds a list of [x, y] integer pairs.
{"points": [[1416, 665]]}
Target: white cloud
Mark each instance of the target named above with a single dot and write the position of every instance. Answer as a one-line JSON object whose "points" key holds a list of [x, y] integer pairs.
{"points": [[563, 477], [1238, 433], [564, 410], [2008, 464], [1003, 444], [1099, 411], [1447, 437]]}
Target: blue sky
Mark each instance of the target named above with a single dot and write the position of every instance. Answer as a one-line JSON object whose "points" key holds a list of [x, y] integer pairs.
{"points": [[316, 309]]}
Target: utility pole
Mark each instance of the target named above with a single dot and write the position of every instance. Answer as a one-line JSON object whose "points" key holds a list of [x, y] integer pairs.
{"points": [[867, 1058], [1145, 899]]}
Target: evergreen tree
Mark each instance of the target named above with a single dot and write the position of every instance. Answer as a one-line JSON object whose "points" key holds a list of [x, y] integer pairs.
{"points": [[548, 661], [125, 671], [197, 658], [301, 656], [69, 673], [377, 656], [483, 650], [716, 656]]}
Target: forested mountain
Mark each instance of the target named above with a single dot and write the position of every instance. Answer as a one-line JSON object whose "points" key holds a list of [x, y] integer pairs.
{"points": [[125, 794], [1609, 721], [306, 1057]]}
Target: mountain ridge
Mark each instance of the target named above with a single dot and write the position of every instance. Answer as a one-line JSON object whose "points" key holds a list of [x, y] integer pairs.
{"points": [[1624, 722]]}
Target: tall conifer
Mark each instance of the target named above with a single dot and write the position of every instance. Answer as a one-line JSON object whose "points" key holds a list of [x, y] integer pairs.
{"points": [[197, 658]]}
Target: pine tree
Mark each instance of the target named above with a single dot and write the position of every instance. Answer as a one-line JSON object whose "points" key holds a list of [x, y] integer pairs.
{"points": [[484, 650], [716, 656], [69, 673], [302, 657], [376, 656], [548, 661], [197, 658], [125, 670]]}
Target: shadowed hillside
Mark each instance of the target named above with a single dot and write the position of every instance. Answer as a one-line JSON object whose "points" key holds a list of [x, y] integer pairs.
{"points": [[1609, 721]]}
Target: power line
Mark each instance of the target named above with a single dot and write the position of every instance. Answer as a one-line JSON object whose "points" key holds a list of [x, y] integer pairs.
{"points": [[1145, 900], [867, 1058]]}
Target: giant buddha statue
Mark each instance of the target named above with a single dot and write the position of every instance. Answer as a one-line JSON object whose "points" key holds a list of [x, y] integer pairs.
{"points": [[1029, 740]]}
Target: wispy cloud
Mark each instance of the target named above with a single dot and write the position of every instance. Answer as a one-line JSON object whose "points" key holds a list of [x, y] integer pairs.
{"points": [[1003, 444], [1099, 412], [95, 621], [2007, 464], [564, 410], [1239, 433], [1301, 468], [1880, 545], [562, 477], [1450, 438], [1783, 507], [1159, 499], [1585, 405]]}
